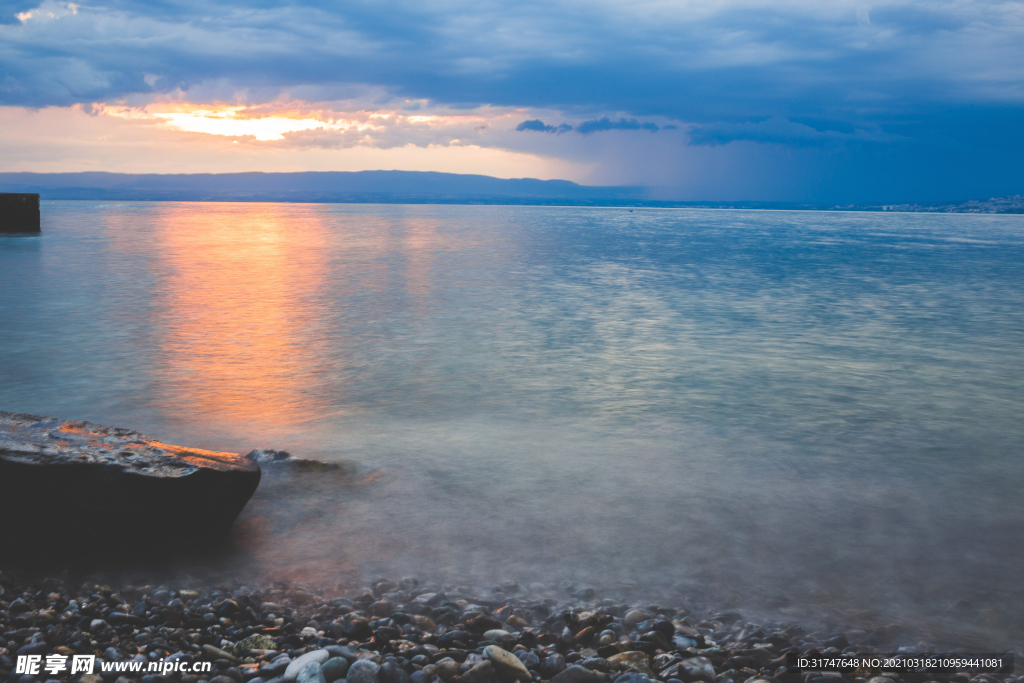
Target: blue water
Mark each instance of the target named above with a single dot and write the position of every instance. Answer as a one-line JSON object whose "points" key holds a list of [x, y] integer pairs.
{"points": [[780, 408]]}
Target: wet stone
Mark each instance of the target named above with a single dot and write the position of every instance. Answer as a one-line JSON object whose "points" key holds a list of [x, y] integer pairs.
{"points": [[274, 669], [634, 617], [334, 668], [596, 664], [392, 673], [529, 659], [578, 674], [311, 673], [299, 663], [362, 671], [553, 664], [633, 677], [508, 665], [699, 668], [99, 477], [632, 660], [481, 672]]}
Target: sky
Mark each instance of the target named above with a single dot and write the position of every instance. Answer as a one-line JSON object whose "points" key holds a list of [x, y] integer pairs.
{"points": [[846, 101]]}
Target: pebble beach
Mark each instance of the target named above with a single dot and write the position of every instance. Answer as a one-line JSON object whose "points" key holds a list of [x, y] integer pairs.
{"points": [[408, 631]]}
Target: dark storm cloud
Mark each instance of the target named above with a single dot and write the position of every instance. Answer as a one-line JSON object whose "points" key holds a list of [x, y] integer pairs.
{"points": [[587, 127], [778, 130], [538, 126], [653, 59], [607, 124]]}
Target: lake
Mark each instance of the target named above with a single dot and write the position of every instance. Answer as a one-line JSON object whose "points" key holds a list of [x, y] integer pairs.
{"points": [[783, 410]]}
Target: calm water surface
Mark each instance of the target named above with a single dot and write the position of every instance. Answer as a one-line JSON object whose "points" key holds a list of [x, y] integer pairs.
{"points": [[775, 408]]}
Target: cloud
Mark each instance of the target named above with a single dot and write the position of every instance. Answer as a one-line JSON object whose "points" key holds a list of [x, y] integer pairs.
{"points": [[916, 20], [539, 126], [607, 124], [10, 9], [694, 60], [592, 126], [782, 131], [857, 80], [67, 139]]}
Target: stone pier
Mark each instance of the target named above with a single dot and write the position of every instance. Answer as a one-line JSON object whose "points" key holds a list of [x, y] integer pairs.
{"points": [[19, 212]]}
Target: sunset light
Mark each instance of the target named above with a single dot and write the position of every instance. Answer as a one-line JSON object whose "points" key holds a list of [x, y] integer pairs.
{"points": [[234, 121]]}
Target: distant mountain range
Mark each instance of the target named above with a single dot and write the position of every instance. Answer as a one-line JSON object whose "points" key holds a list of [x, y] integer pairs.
{"points": [[404, 187]]}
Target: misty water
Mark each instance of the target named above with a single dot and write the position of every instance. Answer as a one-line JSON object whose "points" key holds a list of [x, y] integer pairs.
{"points": [[798, 411]]}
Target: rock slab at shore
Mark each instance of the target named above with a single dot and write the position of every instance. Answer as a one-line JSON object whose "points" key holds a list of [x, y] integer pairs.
{"points": [[19, 212], [74, 485]]}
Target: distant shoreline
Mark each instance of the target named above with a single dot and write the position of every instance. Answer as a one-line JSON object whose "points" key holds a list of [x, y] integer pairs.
{"points": [[963, 208], [414, 187]]}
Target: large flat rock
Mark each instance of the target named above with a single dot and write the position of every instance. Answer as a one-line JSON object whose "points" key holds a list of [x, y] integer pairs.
{"points": [[84, 485]]}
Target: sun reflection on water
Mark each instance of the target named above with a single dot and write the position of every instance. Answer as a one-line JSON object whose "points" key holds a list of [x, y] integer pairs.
{"points": [[235, 332]]}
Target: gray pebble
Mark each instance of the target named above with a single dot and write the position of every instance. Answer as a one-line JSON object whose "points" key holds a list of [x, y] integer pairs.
{"points": [[633, 677], [362, 671], [699, 668], [311, 673], [348, 653], [300, 663], [479, 673], [334, 668], [552, 666], [529, 659], [392, 673], [275, 668], [447, 669], [507, 664], [577, 674]]}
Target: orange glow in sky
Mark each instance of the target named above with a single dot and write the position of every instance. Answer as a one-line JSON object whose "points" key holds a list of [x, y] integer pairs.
{"points": [[178, 136], [235, 120]]}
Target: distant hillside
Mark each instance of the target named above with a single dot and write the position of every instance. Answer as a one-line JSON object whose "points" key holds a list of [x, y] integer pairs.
{"points": [[361, 186], [407, 187], [1013, 204]]}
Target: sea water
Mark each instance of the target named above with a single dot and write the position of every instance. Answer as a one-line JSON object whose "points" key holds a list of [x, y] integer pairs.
{"points": [[779, 410]]}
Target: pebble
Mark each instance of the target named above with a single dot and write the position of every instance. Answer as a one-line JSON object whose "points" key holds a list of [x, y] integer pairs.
{"points": [[497, 634], [392, 673], [447, 669], [480, 672], [311, 673], [633, 677], [334, 668], [633, 660], [363, 671], [217, 653], [553, 664], [396, 632], [700, 668], [301, 662], [507, 664], [578, 674], [275, 669], [529, 659], [634, 617]]}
